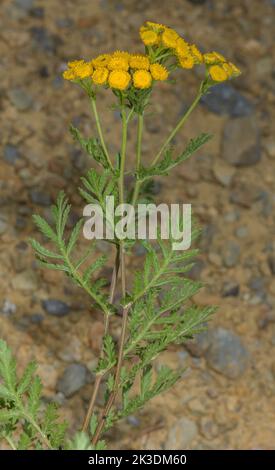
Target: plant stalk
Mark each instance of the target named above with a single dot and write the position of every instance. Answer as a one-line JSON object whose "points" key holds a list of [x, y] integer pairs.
{"points": [[99, 130]]}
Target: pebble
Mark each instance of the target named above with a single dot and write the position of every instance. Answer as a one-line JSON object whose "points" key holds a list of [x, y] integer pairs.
{"points": [[224, 99], [241, 232], [271, 264], [24, 4], [20, 99], [25, 281], [3, 226], [245, 194], [11, 154], [44, 40], [231, 253], [197, 2], [208, 428], [181, 434], [269, 146], [199, 345], [223, 173], [39, 197], [37, 12], [9, 308], [227, 354], [56, 307], [231, 289], [241, 143], [74, 377]]}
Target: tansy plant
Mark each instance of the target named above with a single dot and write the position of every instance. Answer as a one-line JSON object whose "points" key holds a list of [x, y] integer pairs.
{"points": [[155, 309]]}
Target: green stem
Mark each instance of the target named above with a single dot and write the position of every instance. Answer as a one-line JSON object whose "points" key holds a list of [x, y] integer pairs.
{"points": [[122, 154], [99, 130], [10, 442], [138, 158], [178, 126], [38, 429]]}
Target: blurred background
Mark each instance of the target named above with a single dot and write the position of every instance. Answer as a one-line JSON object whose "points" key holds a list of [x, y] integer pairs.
{"points": [[227, 397]]}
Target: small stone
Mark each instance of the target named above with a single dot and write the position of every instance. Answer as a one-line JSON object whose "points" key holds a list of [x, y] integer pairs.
{"points": [[24, 4], [231, 289], [241, 232], [73, 379], [223, 173], [226, 354], [269, 146], [36, 318], [11, 154], [197, 2], [245, 194], [224, 99], [231, 254], [209, 428], [199, 345], [20, 99], [215, 259], [40, 198], [133, 420], [257, 284], [271, 264], [3, 226], [9, 308], [197, 406], [241, 143], [37, 12], [25, 281], [44, 40], [181, 434], [232, 216], [56, 307]]}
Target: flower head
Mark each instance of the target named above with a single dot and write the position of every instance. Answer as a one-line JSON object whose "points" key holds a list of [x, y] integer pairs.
{"points": [[83, 70], [196, 54], [155, 26], [159, 72], [182, 47], [213, 58], [123, 54], [119, 79], [186, 62], [101, 61], [69, 74], [139, 62], [142, 79], [217, 73], [169, 38], [75, 63], [118, 63], [149, 38], [100, 76]]}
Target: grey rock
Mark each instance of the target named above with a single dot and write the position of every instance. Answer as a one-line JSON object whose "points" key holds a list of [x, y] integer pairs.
{"points": [[241, 232], [37, 12], [73, 379], [24, 4], [200, 344], [36, 318], [11, 154], [20, 99], [56, 307], [25, 281], [231, 254], [3, 226], [224, 99], [181, 434], [44, 40], [231, 289], [271, 264], [257, 284], [40, 198], [245, 194], [9, 308], [64, 22], [241, 143], [226, 354]]}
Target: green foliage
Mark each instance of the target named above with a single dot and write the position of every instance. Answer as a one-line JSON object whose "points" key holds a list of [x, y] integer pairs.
{"points": [[21, 407], [92, 146], [168, 162], [63, 259]]}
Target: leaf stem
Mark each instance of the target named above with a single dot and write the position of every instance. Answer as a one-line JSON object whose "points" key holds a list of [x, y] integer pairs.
{"points": [[10, 442], [99, 130], [178, 126], [138, 158]]}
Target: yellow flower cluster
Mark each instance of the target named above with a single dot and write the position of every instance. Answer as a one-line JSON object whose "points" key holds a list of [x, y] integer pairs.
{"points": [[121, 70], [118, 70], [188, 55]]}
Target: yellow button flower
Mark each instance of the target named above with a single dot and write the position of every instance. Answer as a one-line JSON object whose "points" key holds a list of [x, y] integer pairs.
{"points": [[235, 69], [101, 61], [83, 70], [142, 79], [169, 38], [75, 63], [100, 76], [124, 54], [186, 62], [182, 47], [159, 72], [118, 63], [217, 73], [213, 58], [139, 62], [196, 54], [69, 74], [119, 79], [155, 26], [149, 38]]}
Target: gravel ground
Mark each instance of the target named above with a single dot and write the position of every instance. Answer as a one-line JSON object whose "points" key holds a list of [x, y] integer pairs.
{"points": [[227, 397]]}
